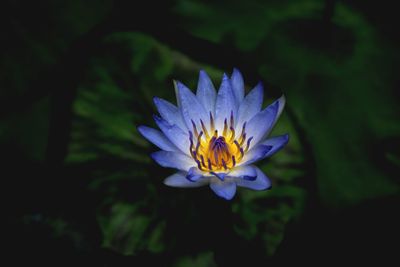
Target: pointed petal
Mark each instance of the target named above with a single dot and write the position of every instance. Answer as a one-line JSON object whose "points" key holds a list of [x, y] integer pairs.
{"points": [[237, 86], [265, 149], [179, 180], [194, 174], [225, 103], [277, 143], [250, 106], [174, 160], [190, 106], [158, 138], [261, 124], [247, 172], [175, 134], [206, 92], [225, 189], [262, 182], [255, 154], [282, 102], [169, 112]]}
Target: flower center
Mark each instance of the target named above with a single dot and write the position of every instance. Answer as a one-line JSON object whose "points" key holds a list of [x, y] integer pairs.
{"points": [[218, 152]]}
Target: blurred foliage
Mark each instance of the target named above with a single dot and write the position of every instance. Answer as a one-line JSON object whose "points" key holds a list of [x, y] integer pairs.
{"points": [[104, 127], [342, 116]]}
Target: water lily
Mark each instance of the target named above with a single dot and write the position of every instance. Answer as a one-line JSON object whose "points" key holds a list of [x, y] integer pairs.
{"points": [[213, 138]]}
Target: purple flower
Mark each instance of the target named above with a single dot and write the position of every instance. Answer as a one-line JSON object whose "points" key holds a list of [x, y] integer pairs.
{"points": [[214, 138]]}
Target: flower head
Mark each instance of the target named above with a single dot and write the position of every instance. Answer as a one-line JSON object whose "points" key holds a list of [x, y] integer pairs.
{"points": [[214, 138]]}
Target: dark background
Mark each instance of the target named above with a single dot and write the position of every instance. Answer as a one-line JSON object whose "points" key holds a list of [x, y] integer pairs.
{"points": [[77, 183]]}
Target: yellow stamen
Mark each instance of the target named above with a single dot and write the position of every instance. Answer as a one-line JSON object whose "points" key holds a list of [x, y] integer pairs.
{"points": [[232, 135], [216, 152]]}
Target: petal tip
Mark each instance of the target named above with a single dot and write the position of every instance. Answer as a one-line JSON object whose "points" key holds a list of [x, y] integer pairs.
{"points": [[225, 190], [158, 157], [157, 118], [282, 101], [141, 129], [237, 72], [174, 83], [167, 182], [225, 77], [170, 181], [286, 136], [154, 156], [180, 86], [156, 100]]}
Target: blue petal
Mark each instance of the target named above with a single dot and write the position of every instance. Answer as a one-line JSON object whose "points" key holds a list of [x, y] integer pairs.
{"points": [[206, 92], [190, 106], [277, 143], [174, 160], [157, 138], [257, 153], [282, 102], [261, 124], [175, 134], [247, 172], [179, 180], [194, 174], [250, 106], [261, 183], [219, 175], [169, 112], [237, 86], [226, 189], [225, 103]]}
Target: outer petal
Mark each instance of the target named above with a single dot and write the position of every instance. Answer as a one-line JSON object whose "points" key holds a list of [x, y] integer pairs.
{"points": [[247, 172], [157, 138], [179, 180], [206, 92], [190, 106], [282, 102], [175, 160], [250, 106], [237, 86], [277, 143], [169, 112], [261, 183], [261, 124], [225, 103], [175, 134], [224, 189], [257, 153]]}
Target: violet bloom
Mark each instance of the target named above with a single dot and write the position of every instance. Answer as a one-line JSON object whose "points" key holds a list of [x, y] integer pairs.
{"points": [[215, 138]]}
